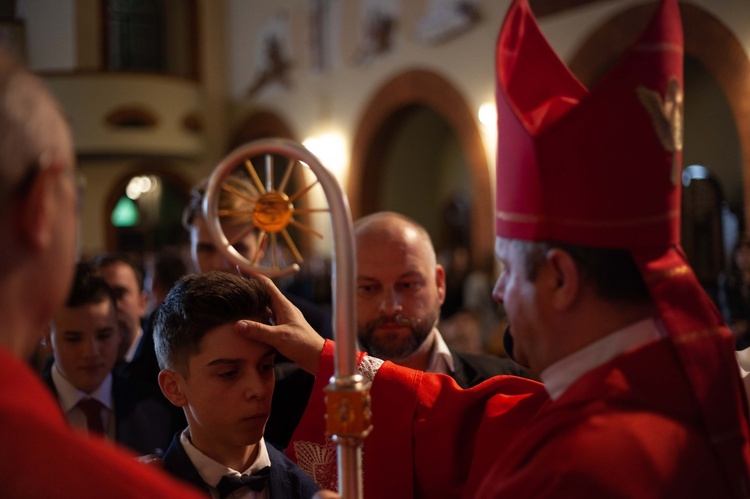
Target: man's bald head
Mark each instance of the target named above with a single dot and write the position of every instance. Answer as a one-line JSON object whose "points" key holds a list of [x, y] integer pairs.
{"points": [[400, 286], [389, 225]]}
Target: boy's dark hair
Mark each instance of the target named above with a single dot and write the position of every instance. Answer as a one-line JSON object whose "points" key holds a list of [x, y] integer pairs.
{"points": [[89, 287], [107, 259], [199, 303]]}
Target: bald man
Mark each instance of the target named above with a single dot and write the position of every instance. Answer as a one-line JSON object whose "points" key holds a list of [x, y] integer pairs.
{"points": [[400, 288]]}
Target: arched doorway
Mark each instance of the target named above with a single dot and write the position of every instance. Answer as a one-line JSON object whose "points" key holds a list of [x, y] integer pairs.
{"points": [[144, 211], [418, 144]]}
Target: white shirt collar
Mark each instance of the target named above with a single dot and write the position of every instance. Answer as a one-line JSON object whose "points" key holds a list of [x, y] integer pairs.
{"points": [[133, 346], [441, 360], [212, 471], [68, 395], [558, 377]]}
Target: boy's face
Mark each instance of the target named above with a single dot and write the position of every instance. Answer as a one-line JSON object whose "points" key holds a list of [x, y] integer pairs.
{"points": [[84, 341], [227, 391]]}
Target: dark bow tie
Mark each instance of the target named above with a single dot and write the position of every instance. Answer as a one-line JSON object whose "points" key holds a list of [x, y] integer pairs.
{"points": [[255, 481]]}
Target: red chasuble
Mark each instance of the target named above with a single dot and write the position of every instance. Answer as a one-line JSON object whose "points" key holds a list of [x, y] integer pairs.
{"points": [[429, 435]]}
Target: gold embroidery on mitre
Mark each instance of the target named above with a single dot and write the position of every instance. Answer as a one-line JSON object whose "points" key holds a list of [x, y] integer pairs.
{"points": [[667, 274], [508, 216], [666, 117], [697, 335]]}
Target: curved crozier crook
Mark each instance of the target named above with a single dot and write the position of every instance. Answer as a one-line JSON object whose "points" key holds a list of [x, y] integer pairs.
{"points": [[270, 211]]}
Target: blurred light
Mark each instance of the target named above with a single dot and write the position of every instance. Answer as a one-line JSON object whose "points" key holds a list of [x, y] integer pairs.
{"points": [[125, 213], [330, 148], [140, 185], [694, 172], [488, 114]]}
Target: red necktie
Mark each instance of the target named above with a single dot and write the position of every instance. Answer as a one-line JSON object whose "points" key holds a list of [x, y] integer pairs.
{"points": [[92, 408]]}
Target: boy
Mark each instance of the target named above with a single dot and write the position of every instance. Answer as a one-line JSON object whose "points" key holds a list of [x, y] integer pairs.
{"points": [[224, 383], [84, 338]]}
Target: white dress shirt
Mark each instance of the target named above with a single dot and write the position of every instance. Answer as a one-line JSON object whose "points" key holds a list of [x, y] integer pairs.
{"points": [[68, 397], [212, 471], [133, 346], [441, 360]]}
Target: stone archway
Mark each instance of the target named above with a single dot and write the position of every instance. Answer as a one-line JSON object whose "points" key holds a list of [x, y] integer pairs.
{"points": [[426, 88]]}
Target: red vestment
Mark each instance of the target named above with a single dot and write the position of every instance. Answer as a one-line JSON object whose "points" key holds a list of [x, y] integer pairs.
{"points": [[629, 428], [41, 456]]}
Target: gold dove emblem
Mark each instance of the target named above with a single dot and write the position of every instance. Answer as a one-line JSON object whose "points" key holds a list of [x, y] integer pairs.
{"points": [[666, 117]]}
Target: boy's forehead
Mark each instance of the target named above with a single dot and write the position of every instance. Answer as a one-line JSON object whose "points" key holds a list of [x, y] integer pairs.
{"points": [[89, 314], [225, 341]]}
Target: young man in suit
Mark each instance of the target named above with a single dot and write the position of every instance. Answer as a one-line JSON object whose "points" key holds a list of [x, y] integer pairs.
{"points": [[84, 338], [224, 383]]}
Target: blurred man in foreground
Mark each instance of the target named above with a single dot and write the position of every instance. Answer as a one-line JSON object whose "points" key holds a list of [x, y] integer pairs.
{"points": [[38, 210]]}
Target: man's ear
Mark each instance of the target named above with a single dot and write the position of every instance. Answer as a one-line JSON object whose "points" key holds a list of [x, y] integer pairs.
{"points": [[171, 387], [567, 280], [36, 221], [440, 282]]}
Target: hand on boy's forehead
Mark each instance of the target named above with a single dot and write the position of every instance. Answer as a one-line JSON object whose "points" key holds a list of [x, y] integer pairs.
{"points": [[223, 343]]}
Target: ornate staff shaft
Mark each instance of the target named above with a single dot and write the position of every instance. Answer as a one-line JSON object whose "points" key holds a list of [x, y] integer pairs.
{"points": [[347, 396]]}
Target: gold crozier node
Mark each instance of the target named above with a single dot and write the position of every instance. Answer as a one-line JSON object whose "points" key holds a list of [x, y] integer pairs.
{"points": [[273, 211]]}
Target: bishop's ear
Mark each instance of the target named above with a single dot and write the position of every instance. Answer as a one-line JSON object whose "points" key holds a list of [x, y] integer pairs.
{"points": [[567, 278], [171, 387]]}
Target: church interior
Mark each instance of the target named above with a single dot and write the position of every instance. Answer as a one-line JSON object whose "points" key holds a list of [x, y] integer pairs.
{"points": [[395, 97]]}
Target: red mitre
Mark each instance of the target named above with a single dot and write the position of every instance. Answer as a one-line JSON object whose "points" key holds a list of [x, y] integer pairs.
{"points": [[601, 168]]}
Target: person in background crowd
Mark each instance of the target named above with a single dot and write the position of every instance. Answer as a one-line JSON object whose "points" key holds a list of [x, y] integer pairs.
{"points": [[125, 277], [84, 338]]}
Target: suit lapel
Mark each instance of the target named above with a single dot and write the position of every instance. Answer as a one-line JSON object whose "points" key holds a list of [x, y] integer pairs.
{"points": [[177, 462], [279, 479], [459, 374]]}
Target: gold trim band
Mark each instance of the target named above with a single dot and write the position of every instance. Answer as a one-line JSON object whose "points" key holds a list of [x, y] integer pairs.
{"points": [[525, 218]]}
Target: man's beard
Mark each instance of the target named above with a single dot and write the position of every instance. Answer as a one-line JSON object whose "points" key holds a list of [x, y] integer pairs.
{"points": [[395, 345]]}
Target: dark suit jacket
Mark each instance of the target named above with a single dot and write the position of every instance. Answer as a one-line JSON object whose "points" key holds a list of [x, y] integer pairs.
{"points": [[287, 480], [141, 423], [472, 369], [142, 375]]}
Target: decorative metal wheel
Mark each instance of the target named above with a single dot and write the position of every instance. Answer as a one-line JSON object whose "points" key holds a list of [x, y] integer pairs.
{"points": [[239, 202]]}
